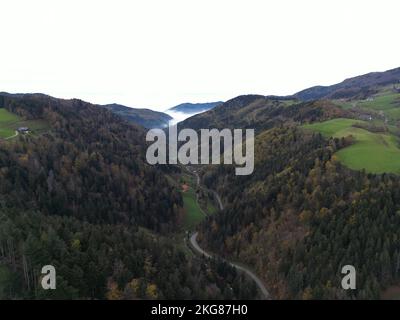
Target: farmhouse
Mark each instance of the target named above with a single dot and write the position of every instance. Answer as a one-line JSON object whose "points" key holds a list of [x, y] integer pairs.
{"points": [[365, 117], [23, 129]]}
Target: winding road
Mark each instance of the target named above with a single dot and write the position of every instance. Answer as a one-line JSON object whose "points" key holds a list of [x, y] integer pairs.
{"points": [[198, 249], [257, 280], [10, 137], [216, 195]]}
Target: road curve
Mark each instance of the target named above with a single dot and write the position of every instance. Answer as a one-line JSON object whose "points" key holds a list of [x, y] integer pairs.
{"points": [[196, 247], [13, 136], [257, 280], [216, 195]]}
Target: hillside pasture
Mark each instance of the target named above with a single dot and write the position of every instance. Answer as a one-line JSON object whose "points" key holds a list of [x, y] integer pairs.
{"points": [[374, 152], [10, 122]]}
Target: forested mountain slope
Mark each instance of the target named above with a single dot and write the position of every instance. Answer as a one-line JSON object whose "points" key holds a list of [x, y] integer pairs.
{"points": [[355, 87], [261, 112], [82, 198], [144, 117], [90, 165], [195, 107], [302, 215]]}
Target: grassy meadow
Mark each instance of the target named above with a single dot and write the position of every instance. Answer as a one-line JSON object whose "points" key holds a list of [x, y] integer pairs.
{"points": [[386, 101], [9, 123], [374, 152]]}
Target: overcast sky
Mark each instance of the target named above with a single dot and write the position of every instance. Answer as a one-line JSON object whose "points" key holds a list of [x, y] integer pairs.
{"points": [[160, 53]]}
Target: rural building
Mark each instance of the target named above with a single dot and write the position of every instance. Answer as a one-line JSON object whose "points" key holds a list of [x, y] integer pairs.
{"points": [[365, 117], [23, 129]]}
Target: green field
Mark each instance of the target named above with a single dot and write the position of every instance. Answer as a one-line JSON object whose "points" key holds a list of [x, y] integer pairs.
{"points": [[386, 101], [374, 152], [332, 128], [288, 103], [9, 122], [7, 119], [193, 213], [393, 114], [195, 209]]}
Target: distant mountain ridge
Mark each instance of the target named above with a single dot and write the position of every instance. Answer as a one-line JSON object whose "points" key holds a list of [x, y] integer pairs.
{"points": [[239, 109], [261, 113], [195, 107], [361, 86], [145, 117]]}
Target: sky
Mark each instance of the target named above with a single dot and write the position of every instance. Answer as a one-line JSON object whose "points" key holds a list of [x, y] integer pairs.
{"points": [[159, 53]]}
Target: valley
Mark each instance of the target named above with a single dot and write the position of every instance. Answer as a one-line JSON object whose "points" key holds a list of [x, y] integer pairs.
{"points": [[323, 169], [81, 197], [194, 215], [78, 191], [184, 159]]}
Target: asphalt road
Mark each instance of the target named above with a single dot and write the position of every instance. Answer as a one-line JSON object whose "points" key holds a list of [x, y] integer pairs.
{"points": [[195, 245], [257, 280]]}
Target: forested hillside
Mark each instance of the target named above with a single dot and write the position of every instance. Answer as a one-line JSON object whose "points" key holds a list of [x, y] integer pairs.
{"points": [[88, 154], [144, 117], [302, 215], [82, 198], [261, 113], [195, 107], [360, 87], [325, 193]]}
